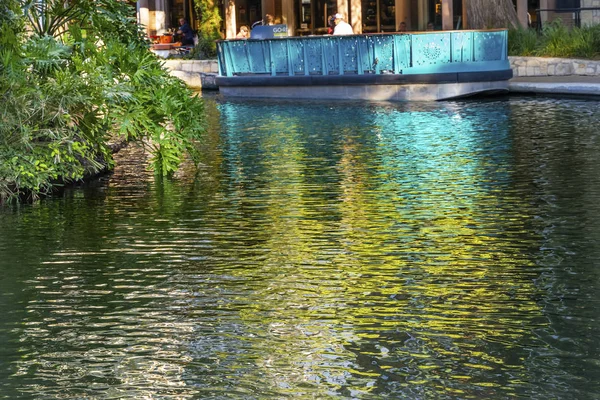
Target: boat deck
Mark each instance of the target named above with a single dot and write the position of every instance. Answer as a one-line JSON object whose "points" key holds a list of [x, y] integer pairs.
{"points": [[407, 66]]}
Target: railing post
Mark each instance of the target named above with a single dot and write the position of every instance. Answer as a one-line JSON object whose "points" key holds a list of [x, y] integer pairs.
{"points": [[472, 46], [231, 66], [359, 58], [289, 58], [305, 52], [221, 59], [410, 56], [375, 58], [324, 70], [396, 52], [451, 46], [340, 58], [504, 45], [273, 68]]}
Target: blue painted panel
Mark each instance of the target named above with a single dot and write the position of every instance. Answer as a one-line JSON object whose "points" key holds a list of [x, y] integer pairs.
{"points": [[314, 56], [456, 51], [295, 50], [279, 55], [402, 52], [221, 60], [488, 46], [260, 60], [462, 46], [431, 49], [348, 51], [385, 51], [365, 55], [457, 68], [330, 55], [239, 57]]}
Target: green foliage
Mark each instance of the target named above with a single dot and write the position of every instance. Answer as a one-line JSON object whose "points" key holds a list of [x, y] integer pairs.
{"points": [[51, 17], [205, 49], [586, 42], [523, 42], [11, 24], [209, 29], [556, 40], [65, 96]]}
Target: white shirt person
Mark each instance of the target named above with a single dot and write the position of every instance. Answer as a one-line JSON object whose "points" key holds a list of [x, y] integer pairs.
{"points": [[341, 26]]}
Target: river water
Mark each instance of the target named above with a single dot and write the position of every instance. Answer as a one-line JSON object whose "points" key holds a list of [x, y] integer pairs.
{"points": [[443, 250]]}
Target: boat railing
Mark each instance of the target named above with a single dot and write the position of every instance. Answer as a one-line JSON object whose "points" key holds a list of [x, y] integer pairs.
{"points": [[398, 53]]}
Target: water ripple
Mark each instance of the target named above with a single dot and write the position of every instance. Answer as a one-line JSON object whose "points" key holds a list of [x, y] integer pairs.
{"points": [[443, 250]]}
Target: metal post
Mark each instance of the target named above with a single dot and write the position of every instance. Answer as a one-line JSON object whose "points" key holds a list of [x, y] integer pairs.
{"points": [[305, 52], [340, 56], [447, 15], [289, 58], [271, 58], [324, 69]]}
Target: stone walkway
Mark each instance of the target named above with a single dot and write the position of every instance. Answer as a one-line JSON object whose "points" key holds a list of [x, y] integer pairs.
{"points": [[569, 85]]}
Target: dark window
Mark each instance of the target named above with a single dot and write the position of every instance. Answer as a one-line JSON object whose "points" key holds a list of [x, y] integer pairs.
{"points": [[568, 3]]}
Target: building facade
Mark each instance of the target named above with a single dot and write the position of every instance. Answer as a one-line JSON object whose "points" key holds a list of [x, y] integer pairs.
{"points": [[561, 9], [309, 17], [161, 16]]}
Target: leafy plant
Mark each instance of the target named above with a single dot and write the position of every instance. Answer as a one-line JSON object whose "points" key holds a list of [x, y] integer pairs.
{"points": [[51, 17], [209, 29], [522, 42], [586, 42], [65, 96], [556, 40]]}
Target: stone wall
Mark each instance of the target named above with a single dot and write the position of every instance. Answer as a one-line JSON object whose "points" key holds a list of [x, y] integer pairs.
{"points": [[540, 66], [197, 74], [590, 17], [200, 74]]}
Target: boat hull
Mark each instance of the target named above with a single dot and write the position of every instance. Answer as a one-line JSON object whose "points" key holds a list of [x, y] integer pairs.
{"points": [[380, 87], [397, 67]]}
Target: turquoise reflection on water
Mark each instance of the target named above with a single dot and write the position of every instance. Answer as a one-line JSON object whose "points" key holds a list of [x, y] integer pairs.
{"points": [[434, 250]]}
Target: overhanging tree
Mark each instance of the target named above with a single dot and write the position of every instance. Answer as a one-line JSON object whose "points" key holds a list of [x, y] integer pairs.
{"points": [[78, 79]]}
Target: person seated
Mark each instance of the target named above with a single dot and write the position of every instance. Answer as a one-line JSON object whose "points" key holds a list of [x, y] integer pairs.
{"points": [[341, 26], [268, 20], [244, 32], [186, 33], [402, 27], [330, 25]]}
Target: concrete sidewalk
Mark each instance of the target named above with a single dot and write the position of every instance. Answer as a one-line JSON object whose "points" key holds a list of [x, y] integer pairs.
{"points": [[570, 85]]}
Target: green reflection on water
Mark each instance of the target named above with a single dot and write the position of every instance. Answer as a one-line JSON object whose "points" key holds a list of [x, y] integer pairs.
{"points": [[320, 251], [396, 268]]}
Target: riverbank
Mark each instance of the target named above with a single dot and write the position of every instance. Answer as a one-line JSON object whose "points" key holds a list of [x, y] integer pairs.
{"points": [[197, 74], [574, 85], [531, 75], [562, 76]]}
